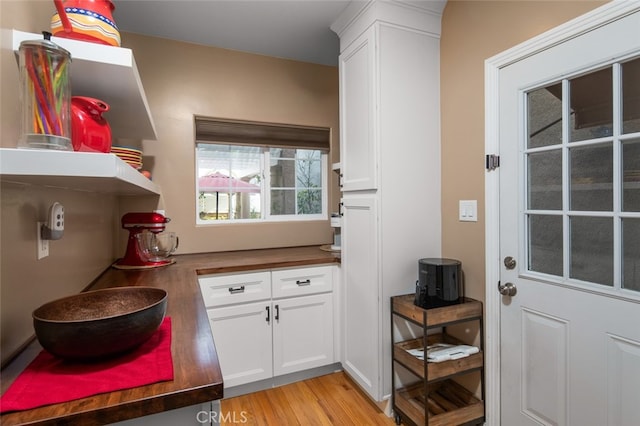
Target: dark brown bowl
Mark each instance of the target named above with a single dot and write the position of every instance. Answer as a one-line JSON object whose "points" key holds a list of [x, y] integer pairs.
{"points": [[100, 323]]}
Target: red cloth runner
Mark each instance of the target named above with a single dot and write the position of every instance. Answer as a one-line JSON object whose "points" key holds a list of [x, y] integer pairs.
{"points": [[51, 380]]}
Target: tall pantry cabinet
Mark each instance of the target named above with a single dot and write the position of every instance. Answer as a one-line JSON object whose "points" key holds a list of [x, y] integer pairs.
{"points": [[390, 164]]}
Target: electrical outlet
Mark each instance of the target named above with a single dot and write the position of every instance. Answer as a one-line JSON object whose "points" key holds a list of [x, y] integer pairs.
{"points": [[43, 245]]}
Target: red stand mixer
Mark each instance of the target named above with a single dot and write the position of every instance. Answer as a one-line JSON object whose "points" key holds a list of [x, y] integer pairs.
{"points": [[136, 257]]}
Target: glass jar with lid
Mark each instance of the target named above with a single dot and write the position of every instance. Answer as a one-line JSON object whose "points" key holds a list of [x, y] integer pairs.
{"points": [[45, 91]]}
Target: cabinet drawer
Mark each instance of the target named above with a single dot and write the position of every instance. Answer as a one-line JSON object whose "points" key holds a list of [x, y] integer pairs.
{"points": [[218, 290], [301, 281]]}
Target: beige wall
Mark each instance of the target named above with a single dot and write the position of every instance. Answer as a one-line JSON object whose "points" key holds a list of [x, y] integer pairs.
{"points": [[183, 79], [473, 31]]}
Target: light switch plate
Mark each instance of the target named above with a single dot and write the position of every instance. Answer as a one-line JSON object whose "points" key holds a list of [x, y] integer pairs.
{"points": [[468, 211]]}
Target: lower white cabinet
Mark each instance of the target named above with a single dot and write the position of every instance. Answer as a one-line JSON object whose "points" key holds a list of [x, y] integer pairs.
{"points": [[260, 334], [243, 341], [302, 333], [361, 320]]}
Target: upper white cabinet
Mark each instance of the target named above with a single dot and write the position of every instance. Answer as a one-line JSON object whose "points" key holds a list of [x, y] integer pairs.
{"points": [[390, 161], [110, 74], [358, 153], [107, 73]]}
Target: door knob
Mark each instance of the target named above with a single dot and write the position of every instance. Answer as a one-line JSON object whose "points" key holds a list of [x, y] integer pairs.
{"points": [[507, 289]]}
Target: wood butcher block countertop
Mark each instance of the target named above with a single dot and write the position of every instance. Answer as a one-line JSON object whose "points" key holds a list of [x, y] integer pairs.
{"points": [[197, 375]]}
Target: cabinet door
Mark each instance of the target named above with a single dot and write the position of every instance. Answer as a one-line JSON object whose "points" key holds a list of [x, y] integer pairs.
{"points": [[357, 109], [242, 334], [361, 313], [302, 333]]}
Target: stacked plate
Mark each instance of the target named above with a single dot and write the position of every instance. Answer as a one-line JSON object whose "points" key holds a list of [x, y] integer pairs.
{"points": [[131, 156]]}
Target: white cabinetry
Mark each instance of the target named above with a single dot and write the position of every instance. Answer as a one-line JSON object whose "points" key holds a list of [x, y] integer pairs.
{"points": [[357, 115], [243, 340], [302, 333], [390, 161], [270, 323], [361, 319]]}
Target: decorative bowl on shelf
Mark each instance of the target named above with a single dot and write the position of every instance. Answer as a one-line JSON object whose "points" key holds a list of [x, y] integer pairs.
{"points": [[101, 323]]}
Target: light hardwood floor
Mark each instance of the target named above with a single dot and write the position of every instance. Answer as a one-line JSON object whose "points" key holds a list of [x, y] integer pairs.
{"points": [[327, 400]]}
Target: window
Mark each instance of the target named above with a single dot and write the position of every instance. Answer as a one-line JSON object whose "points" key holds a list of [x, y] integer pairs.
{"points": [[582, 158], [248, 171]]}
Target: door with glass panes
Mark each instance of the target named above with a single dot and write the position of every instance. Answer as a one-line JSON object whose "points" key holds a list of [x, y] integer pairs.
{"points": [[570, 231]]}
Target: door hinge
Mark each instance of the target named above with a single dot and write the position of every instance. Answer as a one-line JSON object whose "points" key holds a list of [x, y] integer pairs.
{"points": [[492, 161]]}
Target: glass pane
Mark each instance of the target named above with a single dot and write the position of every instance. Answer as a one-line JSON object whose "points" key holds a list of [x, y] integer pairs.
{"points": [[592, 178], [228, 182], [296, 168], [631, 254], [544, 116], [283, 173], [591, 105], [545, 244], [283, 202], [592, 249], [310, 201], [545, 180], [631, 96], [309, 169], [631, 173]]}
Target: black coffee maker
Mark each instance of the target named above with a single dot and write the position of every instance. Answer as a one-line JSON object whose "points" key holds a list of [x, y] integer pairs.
{"points": [[439, 283]]}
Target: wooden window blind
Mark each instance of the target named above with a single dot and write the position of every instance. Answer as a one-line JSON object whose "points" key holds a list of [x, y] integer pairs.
{"points": [[253, 133]]}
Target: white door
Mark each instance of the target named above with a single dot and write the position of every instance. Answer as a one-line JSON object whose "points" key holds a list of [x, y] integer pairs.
{"points": [[569, 140], [243, 340], [357, 110], [360, 292], [302, 333]]}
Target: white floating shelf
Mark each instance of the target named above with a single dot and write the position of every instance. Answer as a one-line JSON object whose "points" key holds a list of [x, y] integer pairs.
{"points": [[110, 74], [83, 171]]}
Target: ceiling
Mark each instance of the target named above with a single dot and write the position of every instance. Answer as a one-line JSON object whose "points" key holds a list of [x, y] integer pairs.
{"points": [[294, 29]]}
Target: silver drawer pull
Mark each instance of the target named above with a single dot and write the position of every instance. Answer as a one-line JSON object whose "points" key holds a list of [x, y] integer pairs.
{"points": [[305, 282], [236, 289]]}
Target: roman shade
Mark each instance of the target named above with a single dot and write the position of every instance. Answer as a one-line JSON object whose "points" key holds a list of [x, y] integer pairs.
{"points": [[253, 133]]}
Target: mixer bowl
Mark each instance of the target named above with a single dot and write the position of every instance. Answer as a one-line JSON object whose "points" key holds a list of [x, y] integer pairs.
{"points": [[156, 247], [100, 323]]}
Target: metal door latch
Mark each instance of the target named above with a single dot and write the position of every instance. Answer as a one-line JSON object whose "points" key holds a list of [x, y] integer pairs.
{"points": [[508, 289]]}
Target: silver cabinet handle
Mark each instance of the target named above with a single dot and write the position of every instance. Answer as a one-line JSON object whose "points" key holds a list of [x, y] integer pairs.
{"points": [[305, 282], [234, 290], [268, 314], [277, 317]]}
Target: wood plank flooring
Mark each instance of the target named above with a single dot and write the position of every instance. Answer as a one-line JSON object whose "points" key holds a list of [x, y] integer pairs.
{"points": [[327, 400]]}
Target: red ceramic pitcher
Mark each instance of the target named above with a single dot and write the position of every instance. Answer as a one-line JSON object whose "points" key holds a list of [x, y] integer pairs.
{"points": [[88, 20], [90, 132]]}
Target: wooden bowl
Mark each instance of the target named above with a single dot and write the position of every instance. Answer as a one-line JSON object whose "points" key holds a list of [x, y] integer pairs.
{"points": [[100, 323]]}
